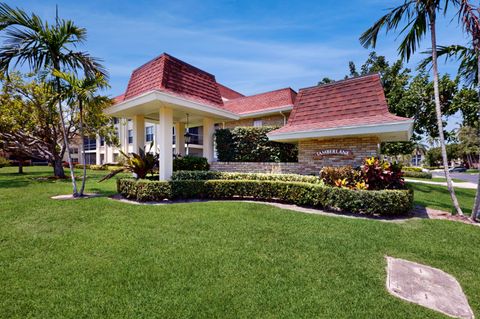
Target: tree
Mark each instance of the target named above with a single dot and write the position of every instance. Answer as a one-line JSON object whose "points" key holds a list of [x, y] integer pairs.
{"points": [[419, 17], [469, 143], [83, 93], [45, 47], [29, 121], [469, 15]]}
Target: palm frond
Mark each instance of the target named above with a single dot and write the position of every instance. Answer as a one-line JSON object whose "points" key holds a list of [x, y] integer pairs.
{"points": [[390, 21]]}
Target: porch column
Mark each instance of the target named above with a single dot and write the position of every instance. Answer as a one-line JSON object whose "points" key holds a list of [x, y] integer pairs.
{"points": [[138, 132], [164, 143], [123, 128], [208, 130], [180, 138], [97, 151]]}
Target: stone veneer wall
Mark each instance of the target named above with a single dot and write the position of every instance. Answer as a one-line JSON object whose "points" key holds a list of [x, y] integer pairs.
{"points": [[361, 147]]}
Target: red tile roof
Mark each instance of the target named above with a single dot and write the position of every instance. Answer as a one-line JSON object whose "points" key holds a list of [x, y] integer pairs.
{"points": [[228, 93], [352, 102], [119, 98], [171, 75], [262, 101]]}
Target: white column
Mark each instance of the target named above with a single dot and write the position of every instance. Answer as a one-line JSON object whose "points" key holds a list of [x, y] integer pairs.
{"points": [[97, 152], [208, 130], [164, 143], [138, 132], [180, 138]]}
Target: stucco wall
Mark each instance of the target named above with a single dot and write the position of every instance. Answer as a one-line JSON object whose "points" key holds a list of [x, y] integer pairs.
{"points": [[308, 162]]}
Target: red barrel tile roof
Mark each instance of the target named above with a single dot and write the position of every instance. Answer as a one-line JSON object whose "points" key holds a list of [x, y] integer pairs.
{"points": [[262, 102], [353, 102], [171, 75]]}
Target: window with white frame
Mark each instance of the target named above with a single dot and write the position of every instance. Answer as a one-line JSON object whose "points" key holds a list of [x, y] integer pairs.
{"points": [[149, 133], [130, 136]]}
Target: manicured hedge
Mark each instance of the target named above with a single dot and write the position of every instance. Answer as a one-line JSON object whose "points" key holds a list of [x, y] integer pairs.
{"points": [[251, 144], [207, 175], [417, 174], [190, 163], [385, 202]]}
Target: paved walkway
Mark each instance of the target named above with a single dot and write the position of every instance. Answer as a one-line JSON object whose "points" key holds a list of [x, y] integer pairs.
{"points": [[455, 184]]}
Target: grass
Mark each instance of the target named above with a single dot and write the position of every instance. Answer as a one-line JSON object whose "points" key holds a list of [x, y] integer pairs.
{"points": [[97, 258]]}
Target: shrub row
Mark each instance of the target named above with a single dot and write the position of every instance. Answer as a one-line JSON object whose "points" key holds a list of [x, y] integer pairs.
{"points": [[417, 174], [190, 163], [208, 175], [385, 202], [251, 144], [94, 167], [411, 169]]}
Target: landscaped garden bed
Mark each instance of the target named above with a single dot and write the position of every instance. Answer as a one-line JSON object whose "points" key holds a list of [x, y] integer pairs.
{"points": [[382, 202]]}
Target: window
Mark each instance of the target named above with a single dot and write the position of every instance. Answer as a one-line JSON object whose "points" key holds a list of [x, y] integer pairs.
{"points": [[102, 140], [257, 123], [130, 136], [149, 133], [90, 143], [115, 120]]}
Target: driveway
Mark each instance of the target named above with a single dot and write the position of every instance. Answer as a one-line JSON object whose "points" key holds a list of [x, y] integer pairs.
{"points": [[472, 178]]}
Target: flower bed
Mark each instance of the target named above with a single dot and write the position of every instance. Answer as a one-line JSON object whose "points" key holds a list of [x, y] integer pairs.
{"points": [[383, 202]]}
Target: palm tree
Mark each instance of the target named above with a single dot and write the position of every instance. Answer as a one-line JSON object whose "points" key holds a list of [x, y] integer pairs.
{"points": [[45, 47], [469, 15], [83, 92], [419, 17]]}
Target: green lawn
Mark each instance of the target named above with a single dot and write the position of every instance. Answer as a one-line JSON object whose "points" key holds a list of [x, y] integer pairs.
{"points": [[97, 258]]}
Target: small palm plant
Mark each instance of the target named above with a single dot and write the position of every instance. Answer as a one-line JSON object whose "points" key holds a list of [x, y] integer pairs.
{"points": [[139, 164]]}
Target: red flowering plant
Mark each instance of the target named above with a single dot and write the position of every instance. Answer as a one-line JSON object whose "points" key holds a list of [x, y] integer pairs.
{"points": [[382, 175]]}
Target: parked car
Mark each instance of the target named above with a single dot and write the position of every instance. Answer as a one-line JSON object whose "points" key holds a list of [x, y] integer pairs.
{"points": [[458, 169]]}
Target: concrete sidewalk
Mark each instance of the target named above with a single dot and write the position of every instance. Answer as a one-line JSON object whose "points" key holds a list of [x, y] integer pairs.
{"points": [[455, 184]]}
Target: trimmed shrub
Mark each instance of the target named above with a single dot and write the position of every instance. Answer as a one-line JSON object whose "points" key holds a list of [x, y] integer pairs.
{"points": [[208, 175], [411, 169], [347, 175], [251, 144], [426, 175], [384, 202], [144, 190], [4, 162], [190, 163]]}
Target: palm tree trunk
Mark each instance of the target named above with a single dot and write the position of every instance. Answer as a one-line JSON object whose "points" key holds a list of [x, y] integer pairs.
{"points": [[65, 141], [438, 110], [82, 188], [476, 206]]}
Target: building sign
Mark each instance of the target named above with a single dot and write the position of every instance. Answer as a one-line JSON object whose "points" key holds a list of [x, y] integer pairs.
{"points": [[333, 152]]}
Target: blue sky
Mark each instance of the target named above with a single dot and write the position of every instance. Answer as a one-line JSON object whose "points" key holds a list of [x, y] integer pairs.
{"points": [[251, 46]]}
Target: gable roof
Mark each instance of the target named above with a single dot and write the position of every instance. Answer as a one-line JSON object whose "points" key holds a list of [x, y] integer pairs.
{"points": [[262, 102], [228, 93], [353, 102], [171, 75]]}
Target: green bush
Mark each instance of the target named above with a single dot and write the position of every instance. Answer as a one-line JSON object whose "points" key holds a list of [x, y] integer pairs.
{"points": [[207, 175], [4, 162], [384, 202], [190, 163], [426, 175], [144, 190], [251, 144], [411, 169]]}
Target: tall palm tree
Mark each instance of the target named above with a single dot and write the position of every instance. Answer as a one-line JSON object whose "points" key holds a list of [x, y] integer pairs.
{"points": [[469, 15], [83, 91], [418, 17], [45, 47]]}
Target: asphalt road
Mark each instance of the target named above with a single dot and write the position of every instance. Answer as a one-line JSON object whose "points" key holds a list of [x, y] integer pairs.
{"points": [[472, 178]]}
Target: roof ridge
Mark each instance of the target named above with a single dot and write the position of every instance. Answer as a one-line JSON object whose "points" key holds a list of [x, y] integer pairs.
{"points": [[277, 90], [352, 79]]}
